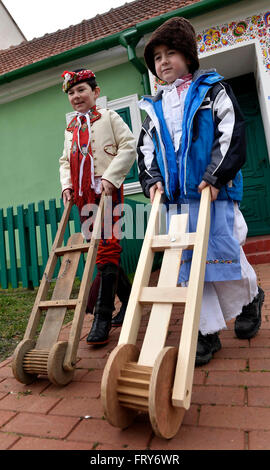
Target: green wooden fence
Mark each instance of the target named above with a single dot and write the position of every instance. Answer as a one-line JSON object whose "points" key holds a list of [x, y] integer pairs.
{"points": [[26, 238]]}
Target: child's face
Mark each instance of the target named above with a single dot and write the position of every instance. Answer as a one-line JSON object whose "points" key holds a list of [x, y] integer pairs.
{"points": [[170, 64], [82, 97]]}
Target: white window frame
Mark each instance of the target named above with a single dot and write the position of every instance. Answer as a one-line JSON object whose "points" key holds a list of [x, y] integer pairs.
{"points": [[130, 102]]}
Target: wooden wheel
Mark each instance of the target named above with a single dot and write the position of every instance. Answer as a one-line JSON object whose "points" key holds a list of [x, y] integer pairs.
{"points": [[165, 418], [56, 373], [17, 364], [116, 414]]}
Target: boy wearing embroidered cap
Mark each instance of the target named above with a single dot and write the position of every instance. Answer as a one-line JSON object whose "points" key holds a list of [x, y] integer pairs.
{"points": [[193, 137], [99, 151]]}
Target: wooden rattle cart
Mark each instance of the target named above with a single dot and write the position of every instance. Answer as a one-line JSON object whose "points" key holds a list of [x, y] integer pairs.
{"points": [[156, 379], [46, 355]]}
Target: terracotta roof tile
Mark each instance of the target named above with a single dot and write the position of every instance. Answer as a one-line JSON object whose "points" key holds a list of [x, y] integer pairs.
{"points": [[87, 31]]}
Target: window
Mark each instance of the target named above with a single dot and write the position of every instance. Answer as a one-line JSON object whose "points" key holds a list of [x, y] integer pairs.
{"points": [[129, 111]]}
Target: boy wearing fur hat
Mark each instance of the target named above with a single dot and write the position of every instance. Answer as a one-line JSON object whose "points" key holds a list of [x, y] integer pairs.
{"points": [[193, 137], [99, 151]]}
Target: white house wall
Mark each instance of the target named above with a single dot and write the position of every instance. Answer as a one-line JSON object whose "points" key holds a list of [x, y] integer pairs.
{"points": [[10, 34]]}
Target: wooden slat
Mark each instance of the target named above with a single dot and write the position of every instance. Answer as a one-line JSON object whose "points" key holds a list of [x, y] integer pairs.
{"points": [[136, 374], [163, 242], [137, 392], [157, 328], [134, 366], [183, 379], [3, 259], [83, 247], [130, 382], [71, 303], [12, 248], [135, 403], [163, 295]]}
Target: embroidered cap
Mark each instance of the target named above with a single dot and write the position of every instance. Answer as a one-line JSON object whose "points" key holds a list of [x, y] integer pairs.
{"points": [[72, 78]]}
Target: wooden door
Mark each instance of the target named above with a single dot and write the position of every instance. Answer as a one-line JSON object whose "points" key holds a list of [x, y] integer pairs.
{"points": [[256, 171]]}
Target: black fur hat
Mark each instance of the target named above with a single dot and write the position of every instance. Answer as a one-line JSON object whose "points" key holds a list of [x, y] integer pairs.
{"points": [[176, 33]]}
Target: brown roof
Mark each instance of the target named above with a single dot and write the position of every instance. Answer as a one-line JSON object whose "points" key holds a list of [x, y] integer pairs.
{"points": [[114, 21]]}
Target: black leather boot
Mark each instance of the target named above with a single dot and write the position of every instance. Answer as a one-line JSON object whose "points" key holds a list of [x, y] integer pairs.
{"points": [[248, 322], [99, 333], [207, 345], [123, 292], [93, 294]]}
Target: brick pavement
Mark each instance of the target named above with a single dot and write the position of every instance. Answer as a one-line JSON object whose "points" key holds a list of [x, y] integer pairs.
{"points": [[230, 408]]}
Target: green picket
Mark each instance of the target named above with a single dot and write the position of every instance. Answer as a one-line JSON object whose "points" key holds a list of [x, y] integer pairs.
{"points": [[77, 224], [53, 223], [23, 245], [3, 258], [52, 218], [43, 234], [67, 231], [33, 244], [76, 218], [12, 248]]}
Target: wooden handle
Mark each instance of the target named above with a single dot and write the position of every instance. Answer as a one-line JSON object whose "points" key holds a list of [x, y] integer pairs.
{"points": [[157, 198], [206, 194]]}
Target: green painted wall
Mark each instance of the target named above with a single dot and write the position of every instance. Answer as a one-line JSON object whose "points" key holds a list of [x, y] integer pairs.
{"points": [[32, 136], [120, 81]]}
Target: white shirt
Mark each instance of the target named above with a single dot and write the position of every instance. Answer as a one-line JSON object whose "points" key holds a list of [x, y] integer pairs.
{"points": [[173, 109]]}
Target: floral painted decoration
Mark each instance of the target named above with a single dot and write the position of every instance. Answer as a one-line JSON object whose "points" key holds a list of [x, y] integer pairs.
{"points": [[72, 78], [256, 26]]}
